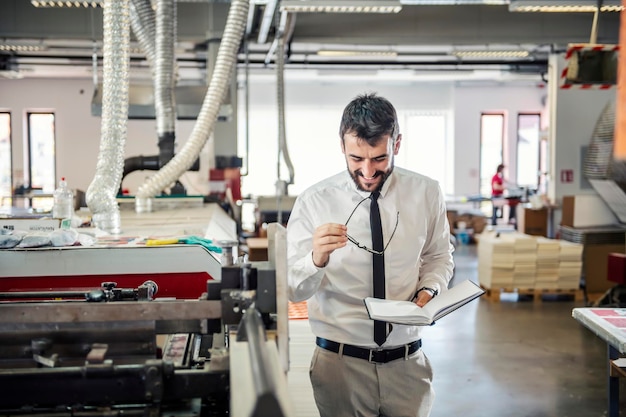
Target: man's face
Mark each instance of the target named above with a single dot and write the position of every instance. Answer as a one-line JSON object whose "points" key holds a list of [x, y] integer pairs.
{"points": [[369, 166]]}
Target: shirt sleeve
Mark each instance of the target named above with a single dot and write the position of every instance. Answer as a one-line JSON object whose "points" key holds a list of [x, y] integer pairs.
{"points": [[304, 277], [437, 262]]}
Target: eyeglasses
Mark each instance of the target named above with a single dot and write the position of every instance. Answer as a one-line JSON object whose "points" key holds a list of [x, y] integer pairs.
{"points": [[365, 248]]}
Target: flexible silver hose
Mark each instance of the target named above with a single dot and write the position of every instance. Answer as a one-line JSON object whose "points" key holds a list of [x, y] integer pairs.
{"points": [[599, 156], [280, 86], [103, 188], [143, 22], [220, 79], [157, 37], [165, 80]]}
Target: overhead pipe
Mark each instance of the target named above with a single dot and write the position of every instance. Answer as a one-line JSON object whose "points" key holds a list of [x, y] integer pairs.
{"points": [[101, 192], [143, 23], [246, 108], [283, 151], [220, 79], [147, 163], [165, 81]]}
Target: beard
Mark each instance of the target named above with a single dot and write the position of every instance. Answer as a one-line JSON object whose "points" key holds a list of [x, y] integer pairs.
{"points": [[383, 175]]}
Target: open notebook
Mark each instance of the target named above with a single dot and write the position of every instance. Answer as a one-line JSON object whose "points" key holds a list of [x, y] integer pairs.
{"points": [[407, 312]]}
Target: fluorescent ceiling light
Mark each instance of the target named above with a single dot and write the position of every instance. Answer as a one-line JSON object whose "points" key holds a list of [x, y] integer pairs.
{"points": [[564, 6], [66, 3], [339, 53], [341, 6], [21, 48], [452, 2], [491, 54]]}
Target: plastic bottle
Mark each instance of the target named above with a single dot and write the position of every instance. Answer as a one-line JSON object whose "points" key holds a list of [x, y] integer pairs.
{"points": [[63, 201]]}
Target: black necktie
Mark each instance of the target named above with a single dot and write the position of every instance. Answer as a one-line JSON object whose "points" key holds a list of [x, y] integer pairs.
{"points": [[380, 333]]}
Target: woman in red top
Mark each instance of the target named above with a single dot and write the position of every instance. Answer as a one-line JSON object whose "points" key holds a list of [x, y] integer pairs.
{"points": [[497, 189]]}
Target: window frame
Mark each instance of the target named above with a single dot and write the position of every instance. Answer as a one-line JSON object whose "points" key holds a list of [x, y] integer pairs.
{"points": [[488, 172], [10, 138], [29, 149], [538, 145], [406, 148]]}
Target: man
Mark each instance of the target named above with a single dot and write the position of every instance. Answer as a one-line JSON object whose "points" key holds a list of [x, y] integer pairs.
{"points": [[497, 191], [332, 250]]}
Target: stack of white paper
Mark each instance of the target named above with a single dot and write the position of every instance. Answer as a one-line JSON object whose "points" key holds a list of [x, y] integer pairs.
{"points": [[525, 259], [570, 266], [517, 260], [496, 261], [548, 251]]}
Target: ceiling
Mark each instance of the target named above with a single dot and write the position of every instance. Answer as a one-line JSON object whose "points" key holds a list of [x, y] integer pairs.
{"points": [[422, 38]]}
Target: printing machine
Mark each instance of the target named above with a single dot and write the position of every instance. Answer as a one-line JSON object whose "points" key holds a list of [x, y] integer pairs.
{"points": [[124, 351]]}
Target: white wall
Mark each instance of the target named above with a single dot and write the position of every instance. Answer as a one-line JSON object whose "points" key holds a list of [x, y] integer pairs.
{"points": [[575, 113], [469, 102], [308, 108], [78, 133], [317, 99]]}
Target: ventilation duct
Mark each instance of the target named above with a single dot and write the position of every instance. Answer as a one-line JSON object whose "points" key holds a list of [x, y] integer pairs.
{"points": [[597, 162], [103, 188], [606, 174], [208, 115]]}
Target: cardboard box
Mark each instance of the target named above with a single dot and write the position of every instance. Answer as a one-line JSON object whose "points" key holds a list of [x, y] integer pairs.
{"points": [[586, 210], [30, 224], [475, 222], [257, 248], [595, 266], [533, 221], [451, 214]]}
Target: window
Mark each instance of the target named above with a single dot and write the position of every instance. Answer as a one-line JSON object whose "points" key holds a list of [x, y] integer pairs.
{"points": [[41, 157], [528, 150], [6, 179], [41, 151], [315, 153], [491, 155], [424, 148]]}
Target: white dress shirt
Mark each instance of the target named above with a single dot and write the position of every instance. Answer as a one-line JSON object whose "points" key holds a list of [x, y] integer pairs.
{"points": [[418, 255]]}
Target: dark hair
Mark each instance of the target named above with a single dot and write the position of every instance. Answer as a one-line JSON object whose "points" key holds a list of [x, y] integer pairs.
{"points": [[500, 168], [369, 117]]}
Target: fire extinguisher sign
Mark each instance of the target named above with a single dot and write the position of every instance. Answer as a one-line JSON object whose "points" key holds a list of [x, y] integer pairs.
{"points": [[567, 175]]}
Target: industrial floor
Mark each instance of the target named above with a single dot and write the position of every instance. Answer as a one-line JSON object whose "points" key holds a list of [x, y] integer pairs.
{"points": [[495, 359]]}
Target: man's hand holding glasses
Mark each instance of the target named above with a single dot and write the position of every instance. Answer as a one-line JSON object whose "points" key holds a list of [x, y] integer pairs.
{"points": [[326, 239]]}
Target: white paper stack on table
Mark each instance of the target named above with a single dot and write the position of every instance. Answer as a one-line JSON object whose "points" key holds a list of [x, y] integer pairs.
{"points": [[570, 265], [548, 251]]}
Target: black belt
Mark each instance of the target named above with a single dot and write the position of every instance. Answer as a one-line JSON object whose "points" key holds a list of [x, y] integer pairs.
{"points": [[371, 355]]}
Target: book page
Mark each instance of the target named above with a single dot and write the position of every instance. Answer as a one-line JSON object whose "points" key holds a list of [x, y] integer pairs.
{"points": [[407, 312], [396, 311], [452, 299]]}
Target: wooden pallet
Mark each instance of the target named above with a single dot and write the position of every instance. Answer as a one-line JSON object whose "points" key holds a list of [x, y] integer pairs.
{"points": [[537, 295]]}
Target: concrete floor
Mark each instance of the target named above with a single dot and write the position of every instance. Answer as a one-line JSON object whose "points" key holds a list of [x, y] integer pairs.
{"points": [[496, 359]]}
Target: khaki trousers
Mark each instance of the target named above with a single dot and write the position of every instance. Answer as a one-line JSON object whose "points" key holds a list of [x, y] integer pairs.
{"points": [[350, 387]]}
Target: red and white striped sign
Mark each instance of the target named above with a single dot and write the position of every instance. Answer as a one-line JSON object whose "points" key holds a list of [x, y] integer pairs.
{"points": [[572, 51]]}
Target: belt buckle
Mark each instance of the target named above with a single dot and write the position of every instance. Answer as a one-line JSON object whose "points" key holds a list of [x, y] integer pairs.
{"points": [[372, 351]]}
